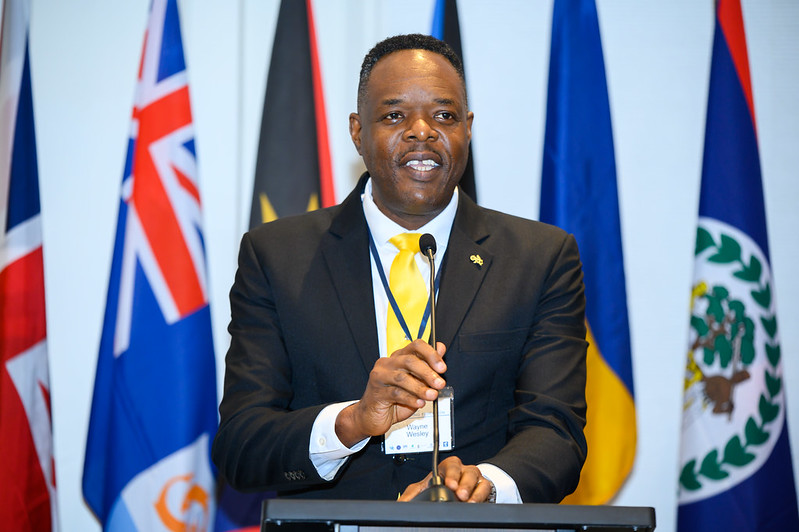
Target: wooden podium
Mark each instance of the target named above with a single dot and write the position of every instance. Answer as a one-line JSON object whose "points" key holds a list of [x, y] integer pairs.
{"points": [[290, 515]]}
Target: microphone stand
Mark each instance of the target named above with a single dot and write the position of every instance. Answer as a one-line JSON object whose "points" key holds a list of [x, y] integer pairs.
{"points": [[437, 492]]}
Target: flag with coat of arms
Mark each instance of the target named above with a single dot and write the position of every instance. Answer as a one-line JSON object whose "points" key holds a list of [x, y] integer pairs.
{"points": [[153, 412], [735, 459]]}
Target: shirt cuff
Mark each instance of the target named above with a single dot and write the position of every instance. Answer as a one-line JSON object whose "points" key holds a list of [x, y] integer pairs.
{"points": [[507, 492], [325, 450]]}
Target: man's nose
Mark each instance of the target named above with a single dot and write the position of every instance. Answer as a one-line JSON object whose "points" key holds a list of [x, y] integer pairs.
{"points": [[420, 129]]}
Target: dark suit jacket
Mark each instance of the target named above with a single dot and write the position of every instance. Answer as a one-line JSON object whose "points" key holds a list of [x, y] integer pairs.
{"points": [[304, 336]]}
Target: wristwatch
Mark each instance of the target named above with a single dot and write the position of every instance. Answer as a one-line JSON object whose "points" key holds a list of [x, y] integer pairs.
{"points": [[492, 496]]}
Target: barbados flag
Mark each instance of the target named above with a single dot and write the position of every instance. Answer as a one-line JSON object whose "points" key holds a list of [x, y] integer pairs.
{"points": [[153, 413], [578, 194], [735, 459]]}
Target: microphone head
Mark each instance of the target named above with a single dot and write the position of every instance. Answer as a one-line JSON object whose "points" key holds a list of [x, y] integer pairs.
{"points": [[427, 242]]}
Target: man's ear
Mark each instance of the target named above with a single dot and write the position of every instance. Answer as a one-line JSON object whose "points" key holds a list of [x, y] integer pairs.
{"points": [[469, 120], [355, 131]]}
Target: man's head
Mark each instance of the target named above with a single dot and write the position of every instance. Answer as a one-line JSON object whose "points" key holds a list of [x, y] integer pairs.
{"points": [[413, 41], [413, 126]]}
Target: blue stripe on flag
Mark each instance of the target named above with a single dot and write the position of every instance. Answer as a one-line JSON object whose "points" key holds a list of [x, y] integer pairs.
{"points": [[24, 176], [731, 164], [437, 29], [172, 60], [578, 184]]}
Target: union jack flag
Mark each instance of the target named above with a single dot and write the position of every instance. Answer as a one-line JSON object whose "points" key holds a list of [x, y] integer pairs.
{"points": [[27, 474], [153, 413]]}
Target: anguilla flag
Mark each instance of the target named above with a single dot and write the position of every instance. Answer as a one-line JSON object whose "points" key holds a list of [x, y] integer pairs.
{"points": [[735, 459], [27, 468], [446, 27], [153, 413], [578, 193]]}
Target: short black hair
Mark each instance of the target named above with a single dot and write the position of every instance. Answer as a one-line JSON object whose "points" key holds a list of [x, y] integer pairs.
{"points": [[412, 41]]}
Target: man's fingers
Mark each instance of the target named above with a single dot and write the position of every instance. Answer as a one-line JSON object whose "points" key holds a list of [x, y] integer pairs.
{"points": [[398, 386], [434, 358], [415, 489], [466, 482], [481, 491], [408, 370]]}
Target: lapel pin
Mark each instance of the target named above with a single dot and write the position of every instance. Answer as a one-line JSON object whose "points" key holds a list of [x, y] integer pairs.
{"points": [[477, 260]]}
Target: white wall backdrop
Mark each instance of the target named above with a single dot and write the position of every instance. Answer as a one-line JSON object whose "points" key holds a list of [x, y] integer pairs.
{"points": [[85, 56]]}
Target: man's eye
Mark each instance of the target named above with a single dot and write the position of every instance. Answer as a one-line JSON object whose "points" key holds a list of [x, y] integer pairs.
{"points": [[393, 117], [445, 115]]}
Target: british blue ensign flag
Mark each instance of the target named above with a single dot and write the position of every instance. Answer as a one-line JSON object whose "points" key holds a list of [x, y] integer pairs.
{"points": [[154, 407]]}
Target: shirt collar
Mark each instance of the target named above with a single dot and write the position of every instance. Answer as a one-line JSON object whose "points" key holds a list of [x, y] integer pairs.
{"points": [[383, 228]]}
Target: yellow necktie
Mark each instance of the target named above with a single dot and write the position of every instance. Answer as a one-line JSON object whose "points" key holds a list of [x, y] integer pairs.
{"points": [[409, 291]]}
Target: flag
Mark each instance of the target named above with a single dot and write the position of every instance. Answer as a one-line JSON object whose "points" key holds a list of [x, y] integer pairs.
{"points": [[291, 177], [735, 459], [153, 413], [447, 28], [293, 172], [578, 193], [27, 473]]}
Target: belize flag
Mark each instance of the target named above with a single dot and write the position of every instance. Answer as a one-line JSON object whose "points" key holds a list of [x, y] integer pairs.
{"points": [[735, 458], [579, 194], [27, 468], [153, 413]]}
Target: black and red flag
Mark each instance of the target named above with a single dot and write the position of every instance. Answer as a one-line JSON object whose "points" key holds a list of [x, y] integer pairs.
{"points": [[447, 28], [293, 173]]}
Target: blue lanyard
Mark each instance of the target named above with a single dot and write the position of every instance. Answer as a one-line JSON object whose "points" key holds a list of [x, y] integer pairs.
{"points": [[392, 301]]}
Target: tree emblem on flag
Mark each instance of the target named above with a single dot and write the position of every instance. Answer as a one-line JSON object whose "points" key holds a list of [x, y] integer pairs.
{"points": [[733, 382], [726, 336]]}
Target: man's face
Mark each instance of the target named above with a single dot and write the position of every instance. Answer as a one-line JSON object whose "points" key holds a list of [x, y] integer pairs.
{"points": [[413, 132]]}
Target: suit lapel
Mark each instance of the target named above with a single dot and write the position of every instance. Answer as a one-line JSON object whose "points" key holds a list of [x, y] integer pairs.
{"points": [[463, 274], [346, 252]]}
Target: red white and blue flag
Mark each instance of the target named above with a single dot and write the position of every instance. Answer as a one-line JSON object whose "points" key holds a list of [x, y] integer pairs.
{"points": [[735, 459], [153, 412], [27, 473]]}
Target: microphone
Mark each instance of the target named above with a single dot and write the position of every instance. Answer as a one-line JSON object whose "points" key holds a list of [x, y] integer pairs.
{"points": [[437, 492], [427, 244]]}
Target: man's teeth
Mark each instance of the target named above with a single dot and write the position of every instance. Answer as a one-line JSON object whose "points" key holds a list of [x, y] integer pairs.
{"points": [[422, 166]]}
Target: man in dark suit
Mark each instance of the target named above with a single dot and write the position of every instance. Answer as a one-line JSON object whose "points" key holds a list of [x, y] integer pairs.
{"points": [[310, 385]]}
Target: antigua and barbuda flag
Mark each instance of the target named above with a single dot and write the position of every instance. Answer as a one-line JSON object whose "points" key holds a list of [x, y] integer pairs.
{"points": [[579, 194], [293, 177], [153, 412], [446, 27], [735, 458], [27, 467], [290, 177]]}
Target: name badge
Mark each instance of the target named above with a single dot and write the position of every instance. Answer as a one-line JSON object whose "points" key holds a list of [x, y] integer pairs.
{"points": [[415, 434]]}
